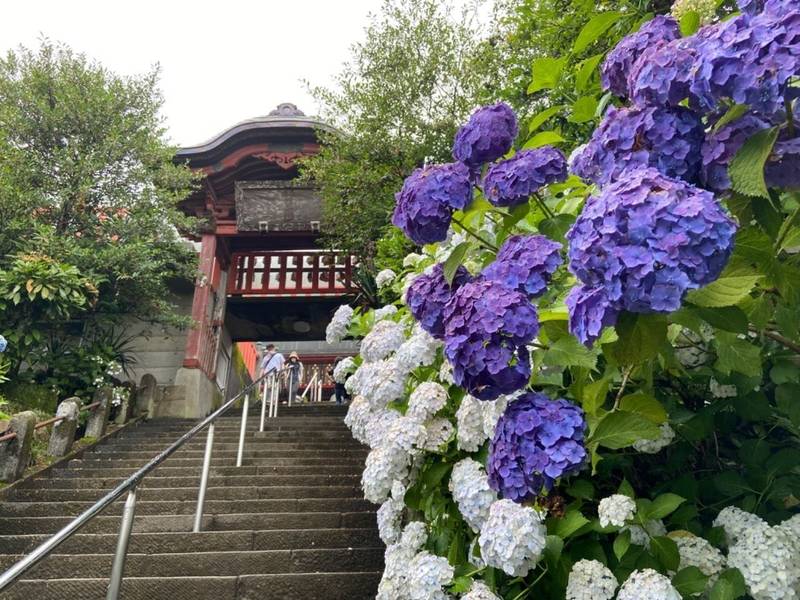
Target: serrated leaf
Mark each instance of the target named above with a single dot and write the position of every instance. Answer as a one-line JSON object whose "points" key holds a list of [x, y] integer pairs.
{"points": [[539, 118], [585, 71], [640, 337], [734, 112], [594, 395], [666, 552], [596, 27], [664, 505], [546, 73], [734, 354], [621, 544], [556, 227], [729, 586], [620, 429], [568, 524], [690, 581], [746, 169], [543, 138], [644, 405], [581, 488], [690, 23], [583, 109], [626, 489], [725, 291], [454, 261], [569, 352]]}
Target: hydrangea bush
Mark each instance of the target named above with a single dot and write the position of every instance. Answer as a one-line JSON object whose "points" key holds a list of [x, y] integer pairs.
{"points": [[589, 387]]}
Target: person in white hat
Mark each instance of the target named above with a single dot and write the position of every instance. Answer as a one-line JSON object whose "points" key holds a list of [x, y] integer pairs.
{"points": [[294, 375]]}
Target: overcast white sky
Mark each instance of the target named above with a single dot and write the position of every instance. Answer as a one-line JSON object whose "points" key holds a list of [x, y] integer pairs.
{"points": [[222, 61]]}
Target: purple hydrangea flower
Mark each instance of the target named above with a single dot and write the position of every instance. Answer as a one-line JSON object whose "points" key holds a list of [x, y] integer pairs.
{"points": [[486, 328], [427, 199], [427, 295], [525, 263], [783, 167], [511, 182], [536, 442], [617, 65], [663, 75], [721, 146], [665, 138], [750, 7], [646, 240], [590, 311], [487, 135]]}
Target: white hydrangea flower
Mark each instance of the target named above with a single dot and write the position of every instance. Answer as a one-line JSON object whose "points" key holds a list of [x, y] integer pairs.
{"points": [[385, 338], [705, 9], [647, 584], [414, 536], [343, 368], [698, 552], [792, 526], [390, 515], [426, 400], [444, 249], [378, 426], [358, 417], [493, 410], [480, 591], [384, 466], [437, 433], [719, 390], [473, 558], [412, 259], [469, 485], [337, 329], [590, 580], [641, 535], [446, 373], [384, 278], [380, 382], [691, 349], [512, 538], [736, 522], [417, 351], [769, 560], [385, 312], [407, 281], [429, 573], [470, 432], [406, 435], [667, 434], [616, 510]]}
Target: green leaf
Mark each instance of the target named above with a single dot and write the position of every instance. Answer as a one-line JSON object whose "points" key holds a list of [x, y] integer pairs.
{"points": [[585, 71], [596, 27], [435, 474], [461, 585], [725, 291], [568, 524], [594, 395], [665, 550], [454, 261], [626, 489], [747, 167], [556, 227], [690, 23], [644, 405], [569, 352], [581, 488], [621, 544], [727, 318], [734, 354], [664, 505], [734, 112], [690, 581], [583, 110], [640, 337], [539, 118], [543, 138], [546, 73], [731, 483], [620, 429], [553, 547], [729, 586]]}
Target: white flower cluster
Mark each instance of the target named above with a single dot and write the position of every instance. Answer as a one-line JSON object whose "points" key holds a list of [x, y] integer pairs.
{"points": [[698, 552], [438, 433], [641, 535], [476, 420], [358, 417], [380, 382], [390, 460], [719, 390], [480, 591], [737, 522], [385, 338], [647, 584], [590, 580], [426, 400], [119, 395], [378, 426], [446, 373], [471, 492], [390, 515], [430, 574], [385, 312], [512, 538], [384, 278], [412, 260], [337, 328], [705, 9], [114, 369], [616, 510], [444, 249], [417, 351], [343, 368], [654, 446]]}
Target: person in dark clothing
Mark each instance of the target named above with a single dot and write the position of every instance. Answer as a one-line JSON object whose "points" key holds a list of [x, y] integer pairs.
{"points": [[339, 389]]}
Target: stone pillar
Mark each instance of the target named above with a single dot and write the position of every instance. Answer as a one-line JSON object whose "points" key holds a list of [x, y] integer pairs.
{"points": [[16, 454], [98, 418], [125, 409], [63, 433], [146, 396]]}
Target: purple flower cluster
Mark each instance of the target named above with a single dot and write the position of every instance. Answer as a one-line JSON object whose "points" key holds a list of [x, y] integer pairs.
{"points": [[590, 311], [525, 263], [721, 146], [645, 241], [487, 135], [536, 442], [427, 199], [666, 139], [663, 75], [511, 182], [487, 326], [428, 295], [617, 65]]}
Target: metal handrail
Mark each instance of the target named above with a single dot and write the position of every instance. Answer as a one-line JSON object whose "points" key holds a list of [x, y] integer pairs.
{"points": [[130, 485]]}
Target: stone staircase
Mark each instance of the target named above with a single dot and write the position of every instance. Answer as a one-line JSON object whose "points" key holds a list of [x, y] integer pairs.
{"points": [[289, 523]]}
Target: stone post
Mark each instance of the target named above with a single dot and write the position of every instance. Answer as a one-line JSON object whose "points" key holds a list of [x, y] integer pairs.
{"points": [[126, 407], [15, 454], [98, 418], [63, 433], [146, 396]]}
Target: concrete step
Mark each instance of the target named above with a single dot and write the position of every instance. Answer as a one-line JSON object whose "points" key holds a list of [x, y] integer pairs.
{"points": [[183, 523], [249, 452], [209, 541], [221, 461], [81, 483], [215, 471], [308, 586], [231, 447]]}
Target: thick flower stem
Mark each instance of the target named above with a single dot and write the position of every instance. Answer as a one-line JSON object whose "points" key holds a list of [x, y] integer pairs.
{"points": [[489, 245], [625, 376], [545, 209]]}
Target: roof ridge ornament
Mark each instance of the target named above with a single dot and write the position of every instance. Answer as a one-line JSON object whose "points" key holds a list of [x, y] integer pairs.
{"points": [[287, 109]]}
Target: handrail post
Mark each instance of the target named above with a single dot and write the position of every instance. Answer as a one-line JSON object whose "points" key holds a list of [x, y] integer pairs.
{"points": [[263, 404], [201, 494], [273, 398], [243, 430], [118, 567]]}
